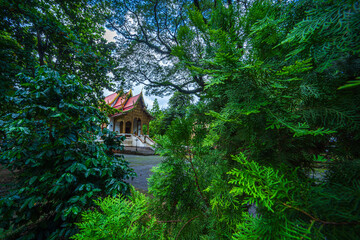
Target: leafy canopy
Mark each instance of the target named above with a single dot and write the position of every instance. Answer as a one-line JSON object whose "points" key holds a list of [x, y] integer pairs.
{"points": [[51, 145]]}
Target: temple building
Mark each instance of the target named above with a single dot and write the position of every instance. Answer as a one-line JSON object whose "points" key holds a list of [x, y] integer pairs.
{"points": [[130, 122], [133, 115]]}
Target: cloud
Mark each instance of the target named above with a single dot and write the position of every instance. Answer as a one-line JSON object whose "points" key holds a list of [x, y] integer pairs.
{"points": [[110, 35]]}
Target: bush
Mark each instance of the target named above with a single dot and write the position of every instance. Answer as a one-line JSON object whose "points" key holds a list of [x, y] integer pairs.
{"points": [[120, 218], [288, 208], [183, 184], [51, 145]]}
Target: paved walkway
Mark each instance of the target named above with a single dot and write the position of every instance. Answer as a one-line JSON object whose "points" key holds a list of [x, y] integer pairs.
{"points": [[142, 166], [139, 150]]}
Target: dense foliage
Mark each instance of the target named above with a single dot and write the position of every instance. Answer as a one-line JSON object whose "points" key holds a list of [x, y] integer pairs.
{"points": [[152, 37], [177, 108], [156, 125], [50, 144], [120, 218], [67, 36], [50, 118], [270, 150]]}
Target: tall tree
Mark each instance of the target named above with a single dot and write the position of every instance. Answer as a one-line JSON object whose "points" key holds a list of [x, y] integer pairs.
{"points": [[157, 125], [156, 108], [159, 45], [281, 102], [42, 143], [178, 104], [67, 36]]}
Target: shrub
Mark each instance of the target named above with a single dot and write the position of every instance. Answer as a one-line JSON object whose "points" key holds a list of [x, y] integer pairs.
{"points": [[60, 168], [120, 218]]}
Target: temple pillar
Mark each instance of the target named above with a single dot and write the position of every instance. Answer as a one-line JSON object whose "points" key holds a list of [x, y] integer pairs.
{"points": [[122, 130], [132, 127]]}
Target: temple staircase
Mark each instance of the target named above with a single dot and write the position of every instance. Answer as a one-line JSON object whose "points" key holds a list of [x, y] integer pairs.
{"points": [[139, 144]]}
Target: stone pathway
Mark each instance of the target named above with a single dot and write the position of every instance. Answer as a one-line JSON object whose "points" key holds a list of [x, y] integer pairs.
{"points": [[142, 166], [139, 150]]}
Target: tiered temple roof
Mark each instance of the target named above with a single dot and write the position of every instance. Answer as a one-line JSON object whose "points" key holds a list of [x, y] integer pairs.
{"points": [[124, 101]]}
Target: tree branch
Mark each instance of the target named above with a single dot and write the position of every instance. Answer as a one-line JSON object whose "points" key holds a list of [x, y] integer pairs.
{"points": [[319, 220], [177, 236], [150, 45], [196, 179], [176, 87], [158, 28], [197, 5], [138, 21], [169, 221]]}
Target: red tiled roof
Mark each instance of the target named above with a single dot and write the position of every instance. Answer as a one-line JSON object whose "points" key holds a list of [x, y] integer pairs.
{"points": [[109, 99], [130, 103], [121, 100], [125, 102]]}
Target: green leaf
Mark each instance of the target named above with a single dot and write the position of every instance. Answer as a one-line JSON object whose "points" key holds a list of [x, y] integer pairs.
{"points": [[74, 199], [70, 177], [350, 84], [32, 180]]}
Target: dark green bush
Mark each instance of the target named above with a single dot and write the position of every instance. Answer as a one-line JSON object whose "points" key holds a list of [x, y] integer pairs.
{"points": [[51, 144]]}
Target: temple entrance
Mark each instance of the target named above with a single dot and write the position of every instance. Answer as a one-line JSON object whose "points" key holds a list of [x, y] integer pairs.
{"points": [[121, 127], [135, 127], [117, 127], [139, 127], [128, 127]]}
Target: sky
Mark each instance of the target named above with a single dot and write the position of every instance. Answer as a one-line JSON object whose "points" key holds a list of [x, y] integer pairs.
{"points": [[149, 99]]}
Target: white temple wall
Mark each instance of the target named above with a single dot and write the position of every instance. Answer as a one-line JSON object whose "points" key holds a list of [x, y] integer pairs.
{"points": [[111, 124]]}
